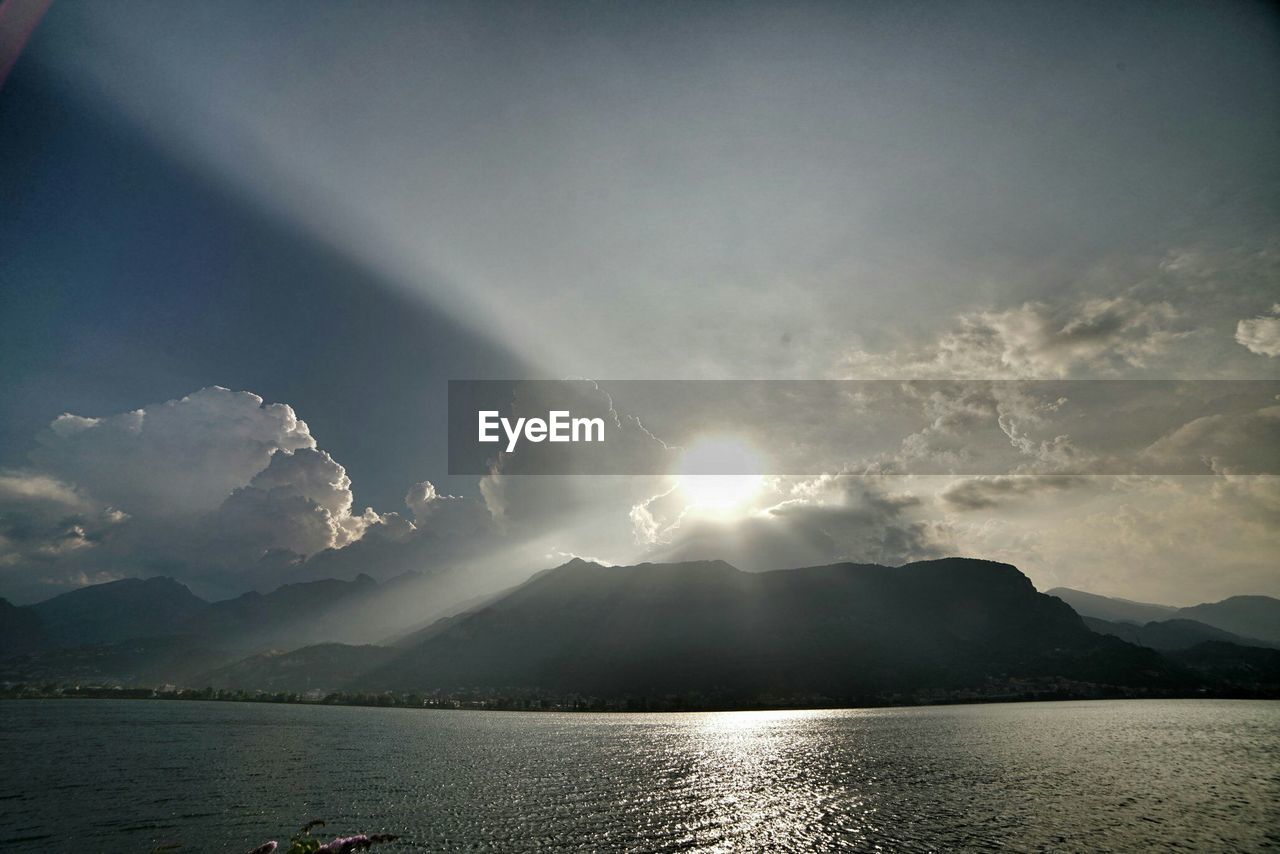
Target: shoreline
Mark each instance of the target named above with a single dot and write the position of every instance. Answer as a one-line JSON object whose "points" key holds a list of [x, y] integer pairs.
{"points": [[596, 707]]}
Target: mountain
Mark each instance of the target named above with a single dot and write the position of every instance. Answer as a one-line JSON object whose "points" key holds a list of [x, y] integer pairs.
{"points": [[1112, 609], [288, 617], [326, 667], [135, 631], [842, 631], [1169, 634], [117, 610], [1250, 616], [21, 629], [1233, 670], [686, 635], [1256, 617], [137, 661]]}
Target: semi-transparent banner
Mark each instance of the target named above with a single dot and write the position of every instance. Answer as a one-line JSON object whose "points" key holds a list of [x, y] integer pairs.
{"points": [[803, 427]]}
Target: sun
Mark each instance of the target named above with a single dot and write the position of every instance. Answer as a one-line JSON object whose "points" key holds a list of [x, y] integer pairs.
{"points": [[719, 476]]}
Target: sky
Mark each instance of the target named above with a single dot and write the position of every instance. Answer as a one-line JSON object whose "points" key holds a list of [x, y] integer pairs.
{"points": [[244, 246]]}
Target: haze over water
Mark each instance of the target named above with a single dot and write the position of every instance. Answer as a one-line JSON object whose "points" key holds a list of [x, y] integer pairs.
{"points": [[134, 775]]}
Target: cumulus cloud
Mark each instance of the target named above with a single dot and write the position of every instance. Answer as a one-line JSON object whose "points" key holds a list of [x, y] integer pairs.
{"points": [[301, 502], [1261, 334], [217, 487], [181, 457], [446, 515], [225, 492], [1097, 336], [422, 499]]}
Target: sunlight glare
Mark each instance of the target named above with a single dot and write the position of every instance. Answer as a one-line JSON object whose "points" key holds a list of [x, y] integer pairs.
{"points": [[720, 495]]}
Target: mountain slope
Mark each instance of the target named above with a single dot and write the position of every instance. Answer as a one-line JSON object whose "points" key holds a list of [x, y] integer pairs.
{"points": [[1111, 608], [118, 631], [290, 616], [1169, 634], [1249, 616], [839, 630], [326, 667], [116, 611], [21, 629]]}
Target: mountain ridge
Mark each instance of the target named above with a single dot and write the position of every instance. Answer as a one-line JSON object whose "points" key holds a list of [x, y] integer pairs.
{"points": [[841, 627], [845, 632], [1246, 617]]}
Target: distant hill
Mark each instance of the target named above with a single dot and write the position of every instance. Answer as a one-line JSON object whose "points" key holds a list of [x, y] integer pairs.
{"points": [[286, 618], [138, 631], [1169, 634], [117, 610], [1111, 608], [1250, 616], [1255, 618], [137, 661], [21, 629], [326, 667], [843, 630]]}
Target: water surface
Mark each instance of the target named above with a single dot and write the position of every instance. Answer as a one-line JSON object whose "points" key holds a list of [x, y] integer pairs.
{"points": [[105, 775]]}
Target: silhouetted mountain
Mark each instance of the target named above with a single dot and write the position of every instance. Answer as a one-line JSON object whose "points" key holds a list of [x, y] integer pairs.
{"points": [[1112, 609], [845, 633], [114, 632], [1169, 634], [841, 631], [21, 629], [1249, 616], [288, 617], [118, 610]]}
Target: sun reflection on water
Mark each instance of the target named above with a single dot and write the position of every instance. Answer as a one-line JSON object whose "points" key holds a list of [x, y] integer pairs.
{"points": [[754, 787]]}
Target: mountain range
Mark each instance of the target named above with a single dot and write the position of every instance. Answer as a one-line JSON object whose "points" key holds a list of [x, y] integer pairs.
{"points": [[844, 633], [1249, 620]]}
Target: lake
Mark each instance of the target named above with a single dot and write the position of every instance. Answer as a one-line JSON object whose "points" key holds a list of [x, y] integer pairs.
{"points": [[120, 775]]}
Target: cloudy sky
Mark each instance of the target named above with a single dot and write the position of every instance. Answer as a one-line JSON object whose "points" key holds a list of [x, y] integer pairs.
{"points": [[244, 246]]}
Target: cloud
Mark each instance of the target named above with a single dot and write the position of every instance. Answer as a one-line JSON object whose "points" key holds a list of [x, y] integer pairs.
{"points": [[42, 518], [1261, 334], [994, 427], [986, 493], [1034, 340], [447, 515], [181, 457], [823, 520], [1237, 443], [1177, 540], [218, 488], [301, 502], [228, 494]]}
